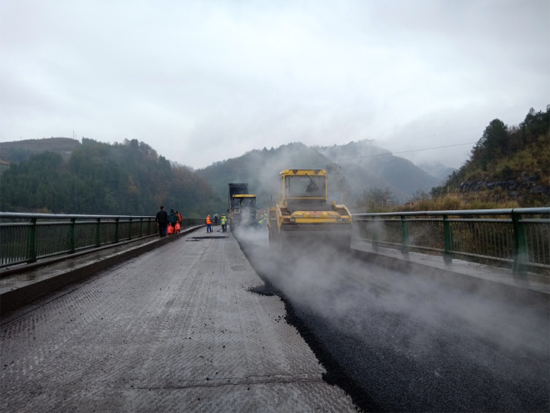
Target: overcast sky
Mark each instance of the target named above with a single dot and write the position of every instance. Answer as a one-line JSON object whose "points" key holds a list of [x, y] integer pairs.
{"points": [[204, 81]]}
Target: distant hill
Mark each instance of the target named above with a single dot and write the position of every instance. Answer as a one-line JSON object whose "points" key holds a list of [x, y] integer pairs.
{"points": [[508, 163], [437, 170], [40, 145], [367, 166], [260, 169], [60, 176], [18, 151], [353, 169]]}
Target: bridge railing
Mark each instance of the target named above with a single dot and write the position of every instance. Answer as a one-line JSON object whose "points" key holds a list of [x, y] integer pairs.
{"points": [[518, 237], [25, 238]]}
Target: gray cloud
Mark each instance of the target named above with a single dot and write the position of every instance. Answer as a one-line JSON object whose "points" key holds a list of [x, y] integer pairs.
{"points": [[202, 82]]}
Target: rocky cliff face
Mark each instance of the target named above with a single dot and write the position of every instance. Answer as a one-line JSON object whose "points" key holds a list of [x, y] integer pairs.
{"points": [[526, 185]]}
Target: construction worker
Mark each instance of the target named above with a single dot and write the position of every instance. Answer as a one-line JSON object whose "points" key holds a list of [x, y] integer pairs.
{"points": [[162, 221], [263, 219], [208, 224], [224, 222], [172, 219], [180, 221]]}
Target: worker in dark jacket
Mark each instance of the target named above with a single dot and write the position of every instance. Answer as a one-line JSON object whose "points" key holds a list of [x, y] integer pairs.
{"points": [[172, 219], [162, 221]]}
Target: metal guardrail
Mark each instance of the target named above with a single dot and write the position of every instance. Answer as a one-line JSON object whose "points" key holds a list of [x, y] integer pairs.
{"points": [[25, 238], [518, 237]]}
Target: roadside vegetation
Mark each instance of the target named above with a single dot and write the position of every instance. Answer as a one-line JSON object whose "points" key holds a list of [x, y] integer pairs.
{"points": [[509, 167]]}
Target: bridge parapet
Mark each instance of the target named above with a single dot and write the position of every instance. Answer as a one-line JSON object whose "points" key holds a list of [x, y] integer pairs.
{"points": [[26, 238], [518, 238]]}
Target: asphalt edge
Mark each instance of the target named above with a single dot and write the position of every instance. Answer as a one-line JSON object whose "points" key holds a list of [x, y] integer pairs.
{"points": [[334, 374], [20, 297]]}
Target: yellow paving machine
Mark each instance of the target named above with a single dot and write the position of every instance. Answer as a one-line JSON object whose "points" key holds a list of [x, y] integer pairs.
{"points": [[304, 216], [241, 206]]}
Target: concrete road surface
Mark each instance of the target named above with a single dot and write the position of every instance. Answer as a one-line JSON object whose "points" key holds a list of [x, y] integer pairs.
{"points": [[177, 329]]}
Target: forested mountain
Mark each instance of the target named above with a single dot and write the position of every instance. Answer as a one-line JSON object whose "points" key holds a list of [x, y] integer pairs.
{"points": [[508, 163], [509, 166], [100, 178], [260, 169], [354, 169], [18, 151]]}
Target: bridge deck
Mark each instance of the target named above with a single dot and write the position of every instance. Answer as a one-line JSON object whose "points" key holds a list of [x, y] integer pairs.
{"points": [[191, 327], [175, 329]]}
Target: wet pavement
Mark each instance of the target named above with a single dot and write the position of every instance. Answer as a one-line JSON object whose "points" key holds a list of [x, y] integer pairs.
{"points": [[529, 280], [401, 341], [185, 327], [19, 276], [209, 324], [22, 284]]}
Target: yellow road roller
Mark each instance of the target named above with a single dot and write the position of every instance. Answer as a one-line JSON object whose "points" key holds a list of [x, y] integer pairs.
{"points": [[304, 217]]}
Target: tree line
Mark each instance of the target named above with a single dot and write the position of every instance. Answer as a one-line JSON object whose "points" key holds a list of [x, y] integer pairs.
{"points": [[101, 178], [508, 168], [505, 152]]}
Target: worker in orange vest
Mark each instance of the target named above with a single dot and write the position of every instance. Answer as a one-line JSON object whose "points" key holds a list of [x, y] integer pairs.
{"points": [[208, 224], [180, 222]]}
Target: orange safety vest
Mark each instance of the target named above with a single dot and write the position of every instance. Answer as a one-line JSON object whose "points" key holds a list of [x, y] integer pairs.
{"points": [[208, 220]]}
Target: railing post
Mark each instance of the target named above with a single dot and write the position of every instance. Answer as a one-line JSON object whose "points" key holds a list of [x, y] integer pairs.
{"points": [[404, 236], [71, 236], [97, 233], [447, 258], [116, 230], [374, 235], [520, 247], [31, 241], [140, 227], [130, 229]]}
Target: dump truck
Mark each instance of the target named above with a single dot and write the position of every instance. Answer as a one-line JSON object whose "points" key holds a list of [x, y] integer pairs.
{"points": [[303, 215], [241, 206]]}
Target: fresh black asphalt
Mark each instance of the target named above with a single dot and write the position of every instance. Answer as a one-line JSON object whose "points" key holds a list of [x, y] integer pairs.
{"points": [[398, 342]]}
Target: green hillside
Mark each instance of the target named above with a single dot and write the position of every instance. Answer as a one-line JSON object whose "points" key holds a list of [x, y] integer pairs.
{"points": [[509, 165], [100, 178], [18, 151]]}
